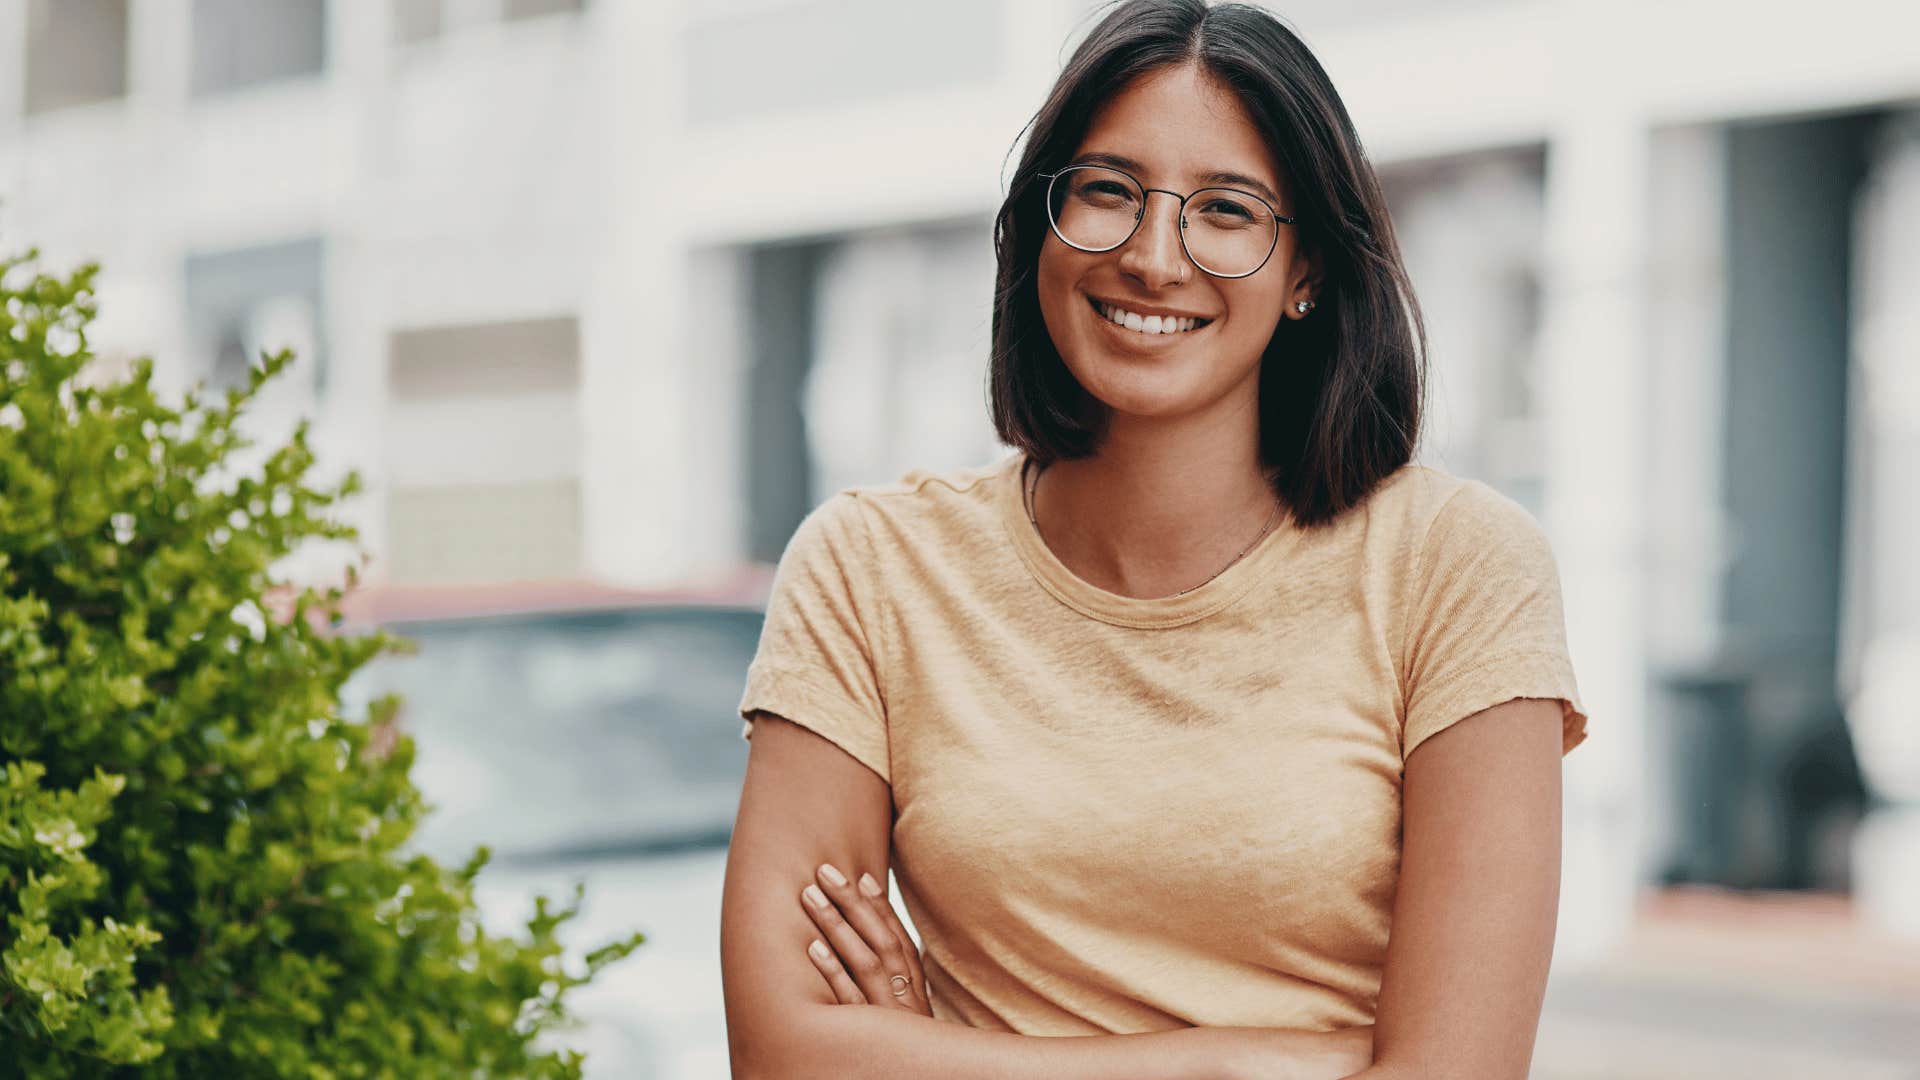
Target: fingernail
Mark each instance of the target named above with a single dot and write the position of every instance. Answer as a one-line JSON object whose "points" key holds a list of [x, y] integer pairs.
{"points": [[869, 886], [827, 871], [818, 949], [815, 896]]}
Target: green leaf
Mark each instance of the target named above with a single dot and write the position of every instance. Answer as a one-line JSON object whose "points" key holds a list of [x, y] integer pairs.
{"points": [[202, 861]]}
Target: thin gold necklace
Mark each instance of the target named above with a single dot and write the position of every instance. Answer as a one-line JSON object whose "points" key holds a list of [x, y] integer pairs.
{"points": [[1033, 486]]}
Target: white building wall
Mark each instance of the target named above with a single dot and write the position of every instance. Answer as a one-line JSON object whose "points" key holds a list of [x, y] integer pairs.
{"points": [[549, 166]]}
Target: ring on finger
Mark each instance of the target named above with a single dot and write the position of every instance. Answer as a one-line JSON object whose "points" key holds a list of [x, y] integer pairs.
{"points": [[901, 984]]}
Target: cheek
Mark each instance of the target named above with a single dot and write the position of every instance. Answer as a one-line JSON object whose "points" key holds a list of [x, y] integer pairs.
{"points": [[1054, 279], [1257, 312], [1054, 270]]}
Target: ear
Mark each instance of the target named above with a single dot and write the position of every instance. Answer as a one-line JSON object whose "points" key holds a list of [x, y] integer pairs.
{"points": [[1304, 279]]}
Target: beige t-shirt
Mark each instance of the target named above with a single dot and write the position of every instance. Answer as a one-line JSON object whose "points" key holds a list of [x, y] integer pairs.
{"points": [[1115, 814]]}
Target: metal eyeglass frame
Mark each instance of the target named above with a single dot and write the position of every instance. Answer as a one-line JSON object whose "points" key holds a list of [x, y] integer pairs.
{"points": [[1054, 177]]}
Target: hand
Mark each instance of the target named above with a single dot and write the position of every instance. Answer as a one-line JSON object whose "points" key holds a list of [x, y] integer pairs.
{"points": [[867, 956]]}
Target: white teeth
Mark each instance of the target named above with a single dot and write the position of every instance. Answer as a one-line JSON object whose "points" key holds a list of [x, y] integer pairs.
{"points": [[1149, 324]]}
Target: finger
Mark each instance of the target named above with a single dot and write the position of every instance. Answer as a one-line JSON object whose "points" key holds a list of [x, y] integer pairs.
{"points": [[896, 973], [844, 992], [859, 960], [877, 896]]}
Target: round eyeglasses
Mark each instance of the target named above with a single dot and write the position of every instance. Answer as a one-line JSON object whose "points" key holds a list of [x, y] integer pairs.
{"points": [[1226, 232]]}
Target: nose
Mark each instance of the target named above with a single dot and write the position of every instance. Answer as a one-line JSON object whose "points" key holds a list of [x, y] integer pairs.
{"points": [[1153, 255]]}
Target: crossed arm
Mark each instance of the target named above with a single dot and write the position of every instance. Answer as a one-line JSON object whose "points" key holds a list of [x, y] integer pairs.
{"points": [[1460, 996]]}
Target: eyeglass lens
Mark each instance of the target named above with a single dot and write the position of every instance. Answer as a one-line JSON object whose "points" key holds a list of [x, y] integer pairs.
{"points": [[1226, 232]]}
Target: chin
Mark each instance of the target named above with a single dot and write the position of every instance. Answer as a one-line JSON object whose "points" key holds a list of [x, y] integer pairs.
{"points": [[1143, 391]]}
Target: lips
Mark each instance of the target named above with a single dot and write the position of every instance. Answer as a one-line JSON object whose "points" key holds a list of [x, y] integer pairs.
{"points": [[1146, 326]]}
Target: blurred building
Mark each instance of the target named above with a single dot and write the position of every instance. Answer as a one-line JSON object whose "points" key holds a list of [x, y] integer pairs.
{"points": [[620, 290]]}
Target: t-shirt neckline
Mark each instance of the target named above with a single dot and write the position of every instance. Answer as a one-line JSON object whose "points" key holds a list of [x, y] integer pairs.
{"points": [[1158, 612]]}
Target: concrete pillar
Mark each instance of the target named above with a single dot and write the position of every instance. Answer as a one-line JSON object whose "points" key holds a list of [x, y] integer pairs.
{"points": [[1880, 637], [1688, 530], [350, 427], [143, 289], [13, 88], [1594, 356], [641, 470]]}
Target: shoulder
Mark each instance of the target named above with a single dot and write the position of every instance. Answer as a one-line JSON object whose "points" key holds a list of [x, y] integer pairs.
{"points": [[870, 530], [1436, 508], [874, 540], [926, 501], [925, 485]]}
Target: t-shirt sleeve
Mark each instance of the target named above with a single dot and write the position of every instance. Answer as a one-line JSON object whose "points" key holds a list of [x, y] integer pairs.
{"points": [[816, 664], [1485, 623]]}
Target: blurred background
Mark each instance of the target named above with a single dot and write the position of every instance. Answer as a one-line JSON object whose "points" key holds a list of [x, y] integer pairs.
{"points": [[601, 297]]}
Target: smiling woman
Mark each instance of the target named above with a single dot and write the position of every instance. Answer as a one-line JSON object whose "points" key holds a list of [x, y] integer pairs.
{"points": [[1175, 125], [1171, 98], [1208, 725]]}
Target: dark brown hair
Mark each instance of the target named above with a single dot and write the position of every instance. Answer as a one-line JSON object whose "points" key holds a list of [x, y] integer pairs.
{"points": [[1341, 392]]}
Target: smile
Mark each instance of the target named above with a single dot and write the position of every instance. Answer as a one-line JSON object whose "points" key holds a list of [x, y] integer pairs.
{"points": [[1146, 325]]}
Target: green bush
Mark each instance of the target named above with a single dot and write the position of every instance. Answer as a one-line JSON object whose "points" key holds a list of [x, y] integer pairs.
{"points": [[202, 870]]}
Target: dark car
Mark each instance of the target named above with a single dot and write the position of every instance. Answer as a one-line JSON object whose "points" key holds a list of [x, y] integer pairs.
{"points": [[587, 734]]}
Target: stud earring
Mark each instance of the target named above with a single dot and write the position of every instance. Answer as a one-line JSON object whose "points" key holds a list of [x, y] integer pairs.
{"points": [[1303, 306]]}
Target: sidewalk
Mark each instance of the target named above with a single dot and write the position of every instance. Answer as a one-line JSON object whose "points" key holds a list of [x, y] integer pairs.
{"points": [[1756, 986]]}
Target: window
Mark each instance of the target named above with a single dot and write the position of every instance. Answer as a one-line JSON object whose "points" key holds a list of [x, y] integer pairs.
{"points": [[483, 452], [242, 43], [817, 54], [485, 359], [245, 301], [1472, 230], [902, 319], [416, 20], [529, 9], [76, 53]]}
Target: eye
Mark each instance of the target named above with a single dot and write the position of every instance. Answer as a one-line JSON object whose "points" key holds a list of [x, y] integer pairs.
{"points": [[1106, 190], [1227, 208]]}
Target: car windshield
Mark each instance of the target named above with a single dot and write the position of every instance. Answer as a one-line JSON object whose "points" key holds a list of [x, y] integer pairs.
{"points": [[557, 736]]}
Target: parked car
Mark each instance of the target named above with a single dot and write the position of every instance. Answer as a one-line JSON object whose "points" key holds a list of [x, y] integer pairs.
{"points": [[587, 734]]}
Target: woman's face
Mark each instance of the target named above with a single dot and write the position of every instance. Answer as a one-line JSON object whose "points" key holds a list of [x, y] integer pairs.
{"points": [[1179, 126]]}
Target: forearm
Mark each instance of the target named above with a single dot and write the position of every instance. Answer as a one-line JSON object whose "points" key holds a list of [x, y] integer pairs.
{"points": [[1386, 1072], [839, 1042]]}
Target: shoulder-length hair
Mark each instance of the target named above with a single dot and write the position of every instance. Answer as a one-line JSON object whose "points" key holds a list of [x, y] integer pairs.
{"points": [[1341, 391]]}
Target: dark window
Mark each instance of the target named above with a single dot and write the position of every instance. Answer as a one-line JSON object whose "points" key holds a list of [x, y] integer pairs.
{"points": [[485, 359], [241, 43], [76, 52], [246, 300], [529, 9], [416, 20], [782, 284]]}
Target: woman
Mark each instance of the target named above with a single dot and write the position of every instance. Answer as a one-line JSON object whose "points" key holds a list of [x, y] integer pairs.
{"points": [[1206, 726]]}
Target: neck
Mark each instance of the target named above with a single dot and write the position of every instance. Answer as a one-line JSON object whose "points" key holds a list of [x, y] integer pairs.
{"points": [[1163, 506]]}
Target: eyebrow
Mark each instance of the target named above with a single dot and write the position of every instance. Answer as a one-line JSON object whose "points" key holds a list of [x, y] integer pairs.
{"points": [[1234, 179]]}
